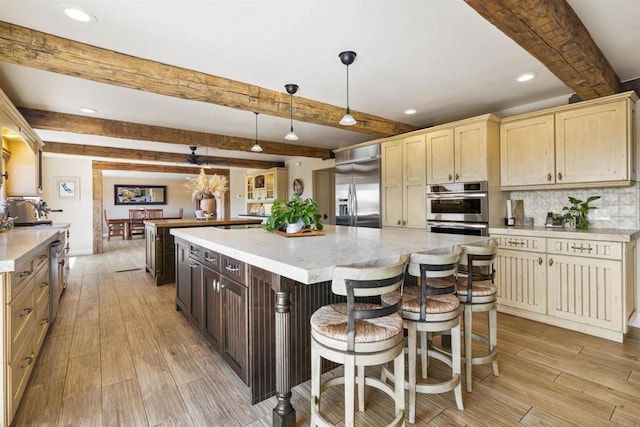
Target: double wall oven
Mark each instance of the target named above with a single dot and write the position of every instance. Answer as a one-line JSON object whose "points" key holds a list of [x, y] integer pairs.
{"points": [[458, 208]]}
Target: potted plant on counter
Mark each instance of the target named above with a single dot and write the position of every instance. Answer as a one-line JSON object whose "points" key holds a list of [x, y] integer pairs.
{"points": [[294, 215], [578, 213], [206, 190]]}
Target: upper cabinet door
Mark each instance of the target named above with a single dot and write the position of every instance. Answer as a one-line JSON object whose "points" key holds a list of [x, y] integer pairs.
{"points": [[440, 157], [591, 144], [470, 152], [391, 204], [527, 152], [414, 179]]}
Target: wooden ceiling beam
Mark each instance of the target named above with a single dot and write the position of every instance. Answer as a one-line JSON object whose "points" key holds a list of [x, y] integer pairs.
{"points": [[553, 33], [35, 49], [47, 120], [143, 167], [155, 156]]}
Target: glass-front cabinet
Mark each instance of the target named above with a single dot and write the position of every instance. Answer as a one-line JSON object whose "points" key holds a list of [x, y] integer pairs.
{"points": [[263, 188]]}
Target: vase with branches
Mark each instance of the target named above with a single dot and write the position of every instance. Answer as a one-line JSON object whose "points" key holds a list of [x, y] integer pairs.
{"points": [[207, 189]]}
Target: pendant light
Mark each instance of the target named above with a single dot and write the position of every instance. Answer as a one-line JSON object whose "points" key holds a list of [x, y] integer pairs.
{"points": [[291, 89], [347, 57], [256, 147]]}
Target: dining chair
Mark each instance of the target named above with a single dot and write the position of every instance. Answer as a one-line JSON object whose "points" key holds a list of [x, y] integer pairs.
{"points": [[136, 221], [115, 227], [155, 213]]}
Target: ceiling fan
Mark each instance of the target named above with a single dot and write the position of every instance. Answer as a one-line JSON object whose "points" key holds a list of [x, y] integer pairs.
{"points": [[193, 158]]}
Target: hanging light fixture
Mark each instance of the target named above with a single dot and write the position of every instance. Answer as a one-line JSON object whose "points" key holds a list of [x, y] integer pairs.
{"points": [[291, 89], [256, 147], [347, 57]]}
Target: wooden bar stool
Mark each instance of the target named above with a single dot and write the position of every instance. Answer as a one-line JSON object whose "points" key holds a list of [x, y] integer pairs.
{"points": [[359, 334], [477, 292], [431, 307]]}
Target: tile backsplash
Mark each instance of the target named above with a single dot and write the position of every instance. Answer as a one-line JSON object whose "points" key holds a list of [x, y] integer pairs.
{"points": [[619, 204]]}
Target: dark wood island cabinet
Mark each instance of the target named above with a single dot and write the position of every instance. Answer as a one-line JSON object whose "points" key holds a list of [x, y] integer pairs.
{"points": [[159, 253]]}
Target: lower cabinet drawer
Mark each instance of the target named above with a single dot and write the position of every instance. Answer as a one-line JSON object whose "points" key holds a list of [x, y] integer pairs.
{"points": [[18, 373], [22, 313], [19, 279], [524, 243], [42, 285], [584, 248]]}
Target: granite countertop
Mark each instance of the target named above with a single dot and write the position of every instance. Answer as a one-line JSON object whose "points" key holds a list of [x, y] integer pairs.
{"points": [[608, 234], [20, 244], [161, 223], [311, 259]]}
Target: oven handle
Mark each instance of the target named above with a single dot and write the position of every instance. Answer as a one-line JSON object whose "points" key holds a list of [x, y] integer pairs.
{"points": [[455, 195], [454, 225]]}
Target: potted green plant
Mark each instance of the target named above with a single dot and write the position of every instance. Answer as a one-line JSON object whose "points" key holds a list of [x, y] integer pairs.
{"points": [[578, 212], [303, 213]]}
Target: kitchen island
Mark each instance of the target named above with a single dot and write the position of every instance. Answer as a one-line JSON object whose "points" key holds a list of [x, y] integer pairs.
{"points": [[159, 243], [264, 275]]}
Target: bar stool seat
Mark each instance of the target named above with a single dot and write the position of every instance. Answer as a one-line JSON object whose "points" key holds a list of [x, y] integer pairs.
{"points": [[359, 334], [430, 308]]}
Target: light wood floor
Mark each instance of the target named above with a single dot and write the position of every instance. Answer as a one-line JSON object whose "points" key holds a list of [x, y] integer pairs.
{"points": [[120, 355]]}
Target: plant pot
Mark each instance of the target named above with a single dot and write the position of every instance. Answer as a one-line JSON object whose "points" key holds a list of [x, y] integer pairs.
{"points": [[295, 227], [208, 206]]}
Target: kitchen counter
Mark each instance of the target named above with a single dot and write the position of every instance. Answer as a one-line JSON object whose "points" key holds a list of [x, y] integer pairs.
{"points": [[278, 270], [22, 243], [160, 252], [606, 234]]}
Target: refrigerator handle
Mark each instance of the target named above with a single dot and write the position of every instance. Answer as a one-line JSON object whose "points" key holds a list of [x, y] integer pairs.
{"points": [[355, 202], [349, 214]]}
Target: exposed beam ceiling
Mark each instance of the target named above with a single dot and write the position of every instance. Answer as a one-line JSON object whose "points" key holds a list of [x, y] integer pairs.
{"points": [[27, 47], [552, 32], [47, 120], [155, 156], [143, 167]]}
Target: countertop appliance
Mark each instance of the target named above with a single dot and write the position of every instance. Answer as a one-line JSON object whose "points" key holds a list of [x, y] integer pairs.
{"points": [[358, 187], [28, 211], [458, 208]]}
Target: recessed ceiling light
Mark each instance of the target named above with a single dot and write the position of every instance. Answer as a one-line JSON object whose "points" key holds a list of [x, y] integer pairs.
{"points": [[410, 111], [88, 110], [526, 77], [79, 14]]}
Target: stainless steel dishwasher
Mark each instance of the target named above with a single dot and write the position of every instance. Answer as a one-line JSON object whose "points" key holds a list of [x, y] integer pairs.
{"points": [[56, 274]]}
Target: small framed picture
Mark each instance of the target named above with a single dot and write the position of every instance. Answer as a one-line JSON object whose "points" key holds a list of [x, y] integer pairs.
{"points": [[68, 188]]}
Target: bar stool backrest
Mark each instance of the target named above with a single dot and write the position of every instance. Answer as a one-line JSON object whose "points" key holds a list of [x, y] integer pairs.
{"points": [[432, 265], [368, 281], [478, 260]]}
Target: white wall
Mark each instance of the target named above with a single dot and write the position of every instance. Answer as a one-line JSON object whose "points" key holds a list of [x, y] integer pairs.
{"points": [[237, 195], [302, 168]]}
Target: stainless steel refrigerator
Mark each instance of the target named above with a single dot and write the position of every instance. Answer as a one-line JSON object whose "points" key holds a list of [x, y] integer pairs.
{"points": [[358, 187]]}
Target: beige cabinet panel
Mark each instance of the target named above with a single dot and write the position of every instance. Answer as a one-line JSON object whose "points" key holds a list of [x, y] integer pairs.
{"points": [[591, 144], [440, 156], [527, 152], [403, 182], [521, 279], [586, 290], [470, 152]]}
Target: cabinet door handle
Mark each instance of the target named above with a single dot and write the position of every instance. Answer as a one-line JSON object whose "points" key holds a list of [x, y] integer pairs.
{"points": [[398, 222], [559, 176], [193, 265], [457, 177], [450, 177], [548, 177], [550, 261], [582, 248], [25, 273], [44, 284], [539, 260], [513, 242], [404, 222], [44, 321], [28, 360], [209, 259], [26, 311], [231, 269], [42, 256]]}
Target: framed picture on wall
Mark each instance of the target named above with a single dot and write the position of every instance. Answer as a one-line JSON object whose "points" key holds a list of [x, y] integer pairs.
{"points": [[68, 187]]}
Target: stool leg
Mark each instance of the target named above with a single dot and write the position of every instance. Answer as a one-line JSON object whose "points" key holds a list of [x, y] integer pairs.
{"points": [[361, 388], [349, 391], [468, 351], [398, 373], [455, 364], [412, 338], [315, 382], [493, 338], [423, 354]]}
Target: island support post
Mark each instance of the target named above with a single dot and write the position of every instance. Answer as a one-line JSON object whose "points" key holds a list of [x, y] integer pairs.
{"points": [[284, 415]]}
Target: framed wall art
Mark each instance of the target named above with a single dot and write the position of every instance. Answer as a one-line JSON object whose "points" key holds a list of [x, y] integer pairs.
{"points": [[68, 187]]}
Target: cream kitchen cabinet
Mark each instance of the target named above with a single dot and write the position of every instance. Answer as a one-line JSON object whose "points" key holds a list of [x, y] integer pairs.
{"points": [[463, 151], [262, 188], [581, 284], [588, 144], [403, 182]]}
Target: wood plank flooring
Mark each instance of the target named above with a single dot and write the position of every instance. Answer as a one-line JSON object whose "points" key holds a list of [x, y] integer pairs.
{"points": [[119, 354]]}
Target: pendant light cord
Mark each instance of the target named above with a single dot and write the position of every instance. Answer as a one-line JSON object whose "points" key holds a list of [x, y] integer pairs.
{"points": [[348, 90]]}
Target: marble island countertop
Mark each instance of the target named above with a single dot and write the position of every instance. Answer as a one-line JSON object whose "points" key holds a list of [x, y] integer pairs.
{"points": [[21, 243], [605, 234], [311, 259]]}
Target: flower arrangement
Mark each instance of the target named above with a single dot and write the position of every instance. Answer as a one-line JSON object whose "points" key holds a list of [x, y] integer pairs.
{"points": [[203, 188]]}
